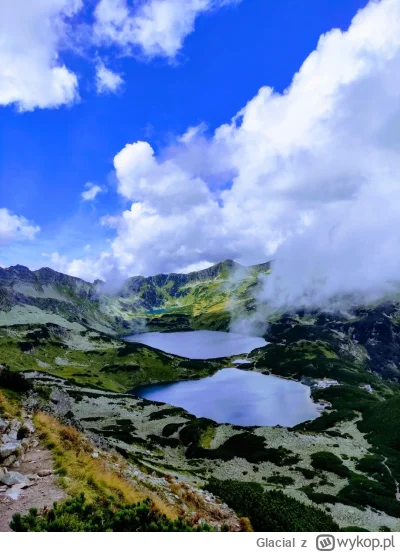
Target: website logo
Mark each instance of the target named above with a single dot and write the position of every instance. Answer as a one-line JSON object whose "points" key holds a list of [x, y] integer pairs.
{"points": [[325, 543]]}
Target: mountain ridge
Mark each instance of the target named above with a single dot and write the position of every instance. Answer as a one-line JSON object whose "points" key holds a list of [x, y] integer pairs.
{"points": [[19, 269], [95, 305]]}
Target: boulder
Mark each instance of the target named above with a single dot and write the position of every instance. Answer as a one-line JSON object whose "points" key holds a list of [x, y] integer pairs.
{"points": [[14, 493], [9, 448], [13, 434], [5, 438], [3, 425], [10, 460], [28, 425], [14, 478], [15, 424]]}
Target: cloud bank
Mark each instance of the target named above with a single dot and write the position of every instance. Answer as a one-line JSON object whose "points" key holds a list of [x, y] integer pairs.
{"points": [[309, 177]]}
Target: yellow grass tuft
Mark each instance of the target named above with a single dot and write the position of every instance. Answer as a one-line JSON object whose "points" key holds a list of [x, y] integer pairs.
{"points": [[9, 405], [96, 477]]}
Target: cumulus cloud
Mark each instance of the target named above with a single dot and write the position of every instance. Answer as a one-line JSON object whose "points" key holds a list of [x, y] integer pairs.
{"points": [[310, 177], [106, 80], [91, 191], [155, 27], [32, 74], [34, 34], [15, 228], [88, 269]]}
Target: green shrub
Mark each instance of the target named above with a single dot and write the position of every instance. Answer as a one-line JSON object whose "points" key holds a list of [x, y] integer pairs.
{"points": [[270, 510], [328, 461], [353, 529], [372, 464], [245, 445], [280, 480], [362, 492], [14, 381], [76, 515], [167, 412], [170, 429], [321, 498], [308, 474]]}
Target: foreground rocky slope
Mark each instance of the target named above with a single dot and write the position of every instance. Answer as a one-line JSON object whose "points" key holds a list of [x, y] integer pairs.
{"points": [[55, 461]]}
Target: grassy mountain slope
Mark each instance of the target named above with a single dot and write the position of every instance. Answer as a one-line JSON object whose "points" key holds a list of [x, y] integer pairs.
{"points": [[197, 299], [346, 462]]}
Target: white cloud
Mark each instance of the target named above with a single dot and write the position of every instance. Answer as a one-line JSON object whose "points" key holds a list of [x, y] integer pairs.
{"points": [[31, 72], [34, 34], [156, 27], [192, 133], [313, 176], [15, 228], [164, 185], [309, 177], [91, 191], [88, 269], [106, 80]]}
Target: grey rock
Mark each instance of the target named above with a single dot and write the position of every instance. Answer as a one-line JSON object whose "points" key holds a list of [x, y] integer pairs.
{"points": [[3, 425], [13, 434], [28, 425], [10, 461], [44, 473], [5, 438], [15, 424], [9, 448], [13, 478], [14, 493]]}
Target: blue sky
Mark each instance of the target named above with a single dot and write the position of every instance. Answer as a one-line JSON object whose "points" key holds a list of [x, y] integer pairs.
{"points": [[49, 153]]}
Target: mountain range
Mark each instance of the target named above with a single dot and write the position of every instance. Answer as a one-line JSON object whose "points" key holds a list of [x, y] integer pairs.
{"points": [[197, 299], [60, 342]]}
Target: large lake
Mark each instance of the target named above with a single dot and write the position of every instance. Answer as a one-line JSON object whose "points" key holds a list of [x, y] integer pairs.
{"points": [[200, 344], [239, 397]]}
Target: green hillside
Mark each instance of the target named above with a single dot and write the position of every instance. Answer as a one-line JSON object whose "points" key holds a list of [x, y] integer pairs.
{"points": [[198, 299]]}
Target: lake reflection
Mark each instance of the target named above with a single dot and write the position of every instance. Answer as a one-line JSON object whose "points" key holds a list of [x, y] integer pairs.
{"points": [[239, 397]]}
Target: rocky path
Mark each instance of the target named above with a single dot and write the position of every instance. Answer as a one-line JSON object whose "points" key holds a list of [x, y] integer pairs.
{"points": [[392, 476], [27, 482]]}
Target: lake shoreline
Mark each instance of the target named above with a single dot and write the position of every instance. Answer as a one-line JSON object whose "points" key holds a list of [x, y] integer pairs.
{"points": [[237, 397]]}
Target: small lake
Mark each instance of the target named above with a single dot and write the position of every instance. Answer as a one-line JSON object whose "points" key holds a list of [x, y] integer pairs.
{"points": [[201, 344], [239, 397]]}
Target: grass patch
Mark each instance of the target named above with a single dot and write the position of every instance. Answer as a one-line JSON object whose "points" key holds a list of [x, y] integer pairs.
{"points": [[10, 403], [95, 477]]}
